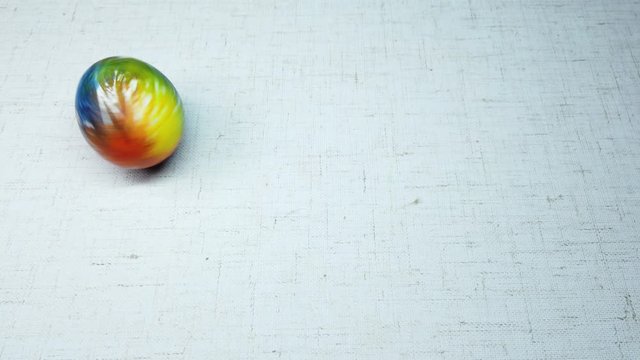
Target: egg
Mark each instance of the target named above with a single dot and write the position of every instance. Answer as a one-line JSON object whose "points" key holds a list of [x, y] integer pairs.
{"points": [[129, 112]]}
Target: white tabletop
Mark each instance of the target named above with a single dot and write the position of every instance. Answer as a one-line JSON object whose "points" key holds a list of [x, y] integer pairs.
{"points": [[404, 179]]}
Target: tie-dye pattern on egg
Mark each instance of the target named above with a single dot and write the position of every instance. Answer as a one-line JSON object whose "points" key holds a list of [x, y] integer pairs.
{"points": [[129, 112]]}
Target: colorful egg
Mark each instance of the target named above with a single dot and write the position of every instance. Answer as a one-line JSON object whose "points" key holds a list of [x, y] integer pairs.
{"points": [[129, 112]]}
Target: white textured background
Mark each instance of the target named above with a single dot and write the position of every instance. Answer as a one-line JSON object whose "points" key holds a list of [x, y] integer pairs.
{"points": [[358, 180]]}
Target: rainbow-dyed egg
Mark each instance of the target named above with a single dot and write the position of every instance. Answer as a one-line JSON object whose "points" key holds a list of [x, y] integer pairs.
{"points": [[129, 112]]}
